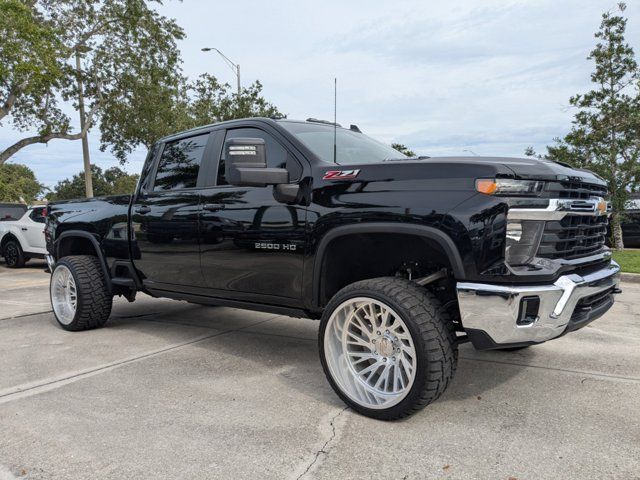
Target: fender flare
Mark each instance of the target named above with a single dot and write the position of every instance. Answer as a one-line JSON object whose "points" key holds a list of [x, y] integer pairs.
{"points": [[431, 233], [96, 246]]}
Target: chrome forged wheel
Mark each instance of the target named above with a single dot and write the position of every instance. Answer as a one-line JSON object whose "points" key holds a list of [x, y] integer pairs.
{"points": [[387, 347], [80, 296], [370, 352], [64, 295]]}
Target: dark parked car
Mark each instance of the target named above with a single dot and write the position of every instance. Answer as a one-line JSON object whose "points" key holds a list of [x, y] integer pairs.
{"points": [[402, 259], [630, 224], [631, 229]]}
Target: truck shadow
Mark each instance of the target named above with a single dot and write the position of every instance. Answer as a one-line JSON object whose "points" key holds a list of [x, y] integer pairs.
{"points": [[289, 351], [480, 372], [34, 264]]}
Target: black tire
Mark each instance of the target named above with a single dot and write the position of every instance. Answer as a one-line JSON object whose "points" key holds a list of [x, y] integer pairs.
{"points": [[431, 330], [93, 298], [13, 254]]}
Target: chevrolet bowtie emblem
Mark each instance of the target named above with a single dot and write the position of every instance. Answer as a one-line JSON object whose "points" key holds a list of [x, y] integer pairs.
{"points": [[602, 207]]}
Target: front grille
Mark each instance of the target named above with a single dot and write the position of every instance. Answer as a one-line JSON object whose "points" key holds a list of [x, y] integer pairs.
{"points": [[575, 190], [588, 306], [574, 236]]}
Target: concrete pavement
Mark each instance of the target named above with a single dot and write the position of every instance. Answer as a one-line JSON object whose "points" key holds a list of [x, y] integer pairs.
{"points": [[173, 390]]}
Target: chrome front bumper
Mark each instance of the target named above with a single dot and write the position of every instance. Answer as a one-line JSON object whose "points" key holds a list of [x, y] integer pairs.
{"points": [[495, 309], [50, 262]]}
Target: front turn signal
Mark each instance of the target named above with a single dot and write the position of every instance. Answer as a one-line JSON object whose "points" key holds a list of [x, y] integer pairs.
{"points": [[509, 187], [486, 186]]}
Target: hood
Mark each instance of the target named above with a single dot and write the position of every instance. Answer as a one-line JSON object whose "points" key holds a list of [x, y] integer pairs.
{"points": [[528, 168]]}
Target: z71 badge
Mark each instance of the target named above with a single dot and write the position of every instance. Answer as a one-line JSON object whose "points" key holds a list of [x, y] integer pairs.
{"points": [[340, 174]]}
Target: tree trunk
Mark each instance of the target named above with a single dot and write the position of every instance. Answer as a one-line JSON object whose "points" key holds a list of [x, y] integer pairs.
{"points": [[616, 232], [88, 181]]}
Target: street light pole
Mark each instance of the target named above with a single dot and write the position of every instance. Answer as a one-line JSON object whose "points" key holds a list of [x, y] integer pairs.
{"points": [[88, 181], [234, 66], [238, 75]]}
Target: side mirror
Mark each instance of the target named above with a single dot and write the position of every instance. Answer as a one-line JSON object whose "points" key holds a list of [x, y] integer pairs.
{"points": [[246, 164]]}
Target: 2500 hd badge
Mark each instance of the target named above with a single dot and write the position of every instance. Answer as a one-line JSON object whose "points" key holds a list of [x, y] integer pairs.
{"points": [[275, 246]]}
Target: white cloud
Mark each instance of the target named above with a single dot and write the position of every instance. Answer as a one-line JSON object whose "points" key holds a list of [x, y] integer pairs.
{"points": [[444, 77]]}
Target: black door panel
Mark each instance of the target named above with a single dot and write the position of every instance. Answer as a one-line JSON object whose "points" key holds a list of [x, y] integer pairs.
{"points": [[167, 238], [164, 215], [253, 244]]}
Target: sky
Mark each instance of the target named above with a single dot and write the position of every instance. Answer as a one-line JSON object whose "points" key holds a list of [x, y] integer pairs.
{"points": [[458, 77]]}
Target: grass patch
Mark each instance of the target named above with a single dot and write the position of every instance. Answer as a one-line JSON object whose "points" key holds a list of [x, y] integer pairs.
{"points": [[629, 260]]}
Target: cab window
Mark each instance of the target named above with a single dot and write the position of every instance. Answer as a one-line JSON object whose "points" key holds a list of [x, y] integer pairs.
{"points": [[147, 170], [277, 155], [180, 163]]}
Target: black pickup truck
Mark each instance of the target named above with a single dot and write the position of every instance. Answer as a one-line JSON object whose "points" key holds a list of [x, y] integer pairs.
{"points": [[401, 258]]}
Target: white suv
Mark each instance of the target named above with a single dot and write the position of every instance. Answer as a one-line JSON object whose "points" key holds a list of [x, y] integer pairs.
{"points": [[23, 239]]}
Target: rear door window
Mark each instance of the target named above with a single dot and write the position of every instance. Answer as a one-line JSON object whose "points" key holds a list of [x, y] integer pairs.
{"points": [[179, 163], [38, 215], [12, 212]]}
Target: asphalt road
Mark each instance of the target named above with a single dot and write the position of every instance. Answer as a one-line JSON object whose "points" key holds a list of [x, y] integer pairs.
{"points": [[174, 390]]}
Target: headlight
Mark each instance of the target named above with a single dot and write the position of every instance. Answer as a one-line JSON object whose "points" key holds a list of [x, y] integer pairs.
{"points": [[523, 239], [509, 187]]}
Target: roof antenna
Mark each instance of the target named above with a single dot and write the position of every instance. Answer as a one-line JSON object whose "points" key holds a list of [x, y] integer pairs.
{"points": [[335, 117]]}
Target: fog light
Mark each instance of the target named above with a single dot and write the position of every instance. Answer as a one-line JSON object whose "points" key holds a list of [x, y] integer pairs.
{"points": [[528, 313], [523, 239], [514, 231]]}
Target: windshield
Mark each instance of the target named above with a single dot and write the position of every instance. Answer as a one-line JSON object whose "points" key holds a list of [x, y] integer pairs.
{"points": [[351, 147]]}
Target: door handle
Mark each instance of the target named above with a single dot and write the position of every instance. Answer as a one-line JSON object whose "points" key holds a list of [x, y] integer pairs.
{"points": [[24, 229], [143, 209], [213, 207]]}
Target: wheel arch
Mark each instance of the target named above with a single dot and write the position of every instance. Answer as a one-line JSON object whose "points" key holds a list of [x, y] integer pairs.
{"points": [[79, 242], [6, 238], [433, 235]]}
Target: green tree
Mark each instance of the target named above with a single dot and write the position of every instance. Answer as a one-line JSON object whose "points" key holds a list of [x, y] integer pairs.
{"points": [[166, 109], [30, 65], [18, 183], [403, 149], [125, 46], [130, 68], [125, 184], [605, 133], [113, 181]]}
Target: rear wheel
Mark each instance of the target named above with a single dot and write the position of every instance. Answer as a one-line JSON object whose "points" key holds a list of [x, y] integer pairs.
{"points": [[387, 347], [13, 254], [79, 293]]}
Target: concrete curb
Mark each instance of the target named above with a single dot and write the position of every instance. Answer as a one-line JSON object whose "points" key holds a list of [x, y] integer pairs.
{"points": [[630, 277]]}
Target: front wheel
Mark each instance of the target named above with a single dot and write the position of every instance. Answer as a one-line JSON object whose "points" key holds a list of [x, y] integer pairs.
{"points": [[79, 293], [387, 347]]}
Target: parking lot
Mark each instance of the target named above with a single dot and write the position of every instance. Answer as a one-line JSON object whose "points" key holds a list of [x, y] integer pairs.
{"points": [[173, 390]]}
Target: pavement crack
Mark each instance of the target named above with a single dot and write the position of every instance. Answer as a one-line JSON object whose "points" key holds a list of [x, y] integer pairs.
{"points": [[26, 315], [45, 385], [324, 450]]}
